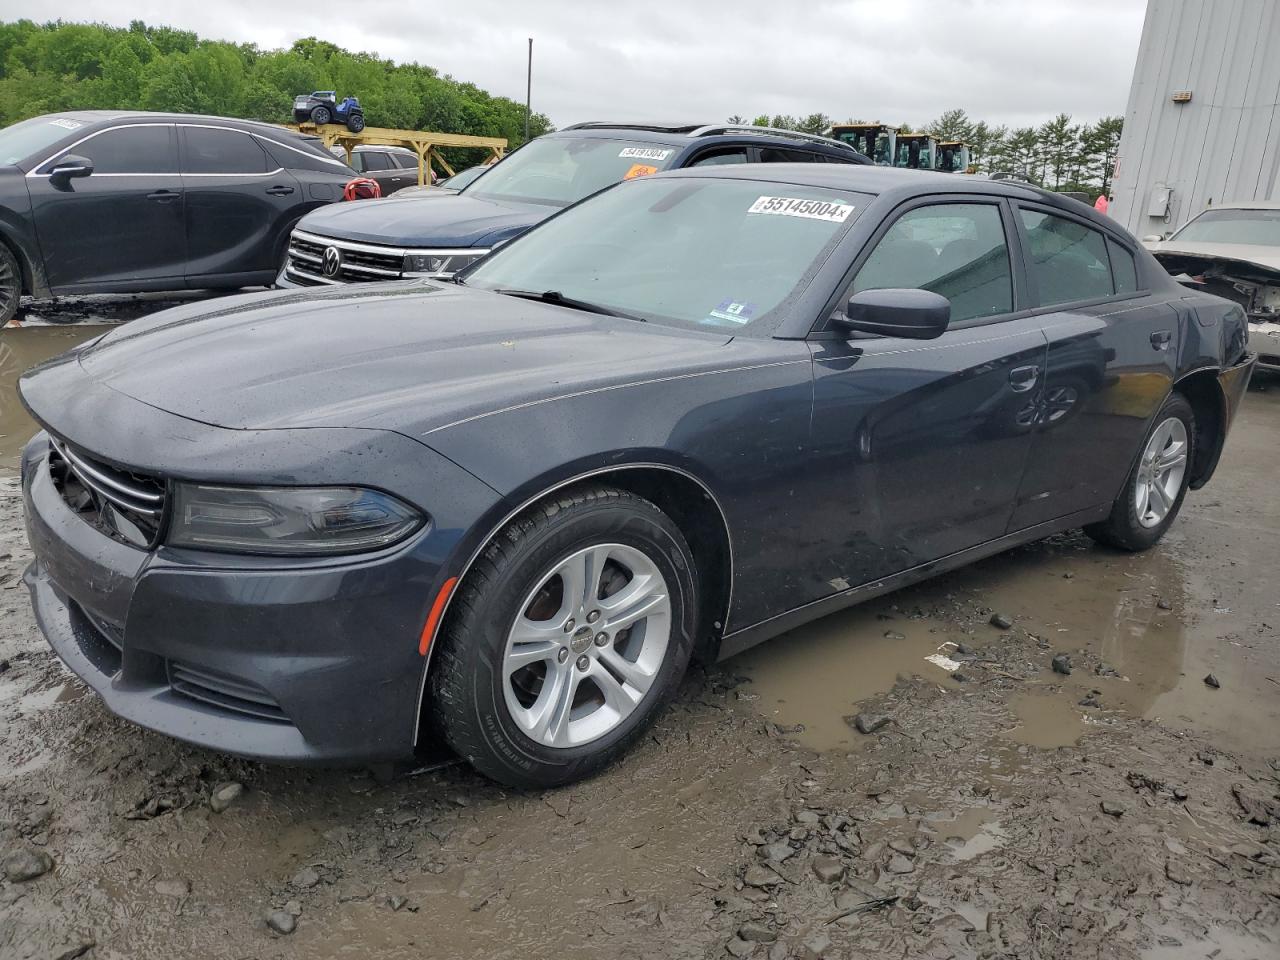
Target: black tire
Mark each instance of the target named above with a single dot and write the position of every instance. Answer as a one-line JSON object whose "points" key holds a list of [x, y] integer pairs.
{"points": [[1122, 528], [355, 122], [467, 706], [320, 116], [10, 284]]}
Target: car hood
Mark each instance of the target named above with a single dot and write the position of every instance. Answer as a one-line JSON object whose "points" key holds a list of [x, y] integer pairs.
{"points": [[406, 357], [456, 220], [1252, 254]]}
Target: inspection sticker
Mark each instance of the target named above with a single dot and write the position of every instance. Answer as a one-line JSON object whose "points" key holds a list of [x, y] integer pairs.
{"points": [[639, 170], [808, 209], [733, 311], [644, 153]]}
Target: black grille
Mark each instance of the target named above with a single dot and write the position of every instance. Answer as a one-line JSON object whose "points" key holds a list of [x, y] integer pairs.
{"points": [[125, 505], [306, 261], [223, 691]]}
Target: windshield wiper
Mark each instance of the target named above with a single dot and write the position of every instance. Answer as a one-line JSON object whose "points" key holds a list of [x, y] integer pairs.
{"points": [[560, 300]]}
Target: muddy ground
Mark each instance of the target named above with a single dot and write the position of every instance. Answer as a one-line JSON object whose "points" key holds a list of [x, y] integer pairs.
{"points": [[1003, 809]]}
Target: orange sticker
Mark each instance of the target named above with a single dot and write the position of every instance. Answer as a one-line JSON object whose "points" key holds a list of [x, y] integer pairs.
{"points": [[639, 170]]}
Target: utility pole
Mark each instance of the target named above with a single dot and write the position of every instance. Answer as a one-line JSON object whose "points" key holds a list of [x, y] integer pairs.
{"points": [[528, 92]]}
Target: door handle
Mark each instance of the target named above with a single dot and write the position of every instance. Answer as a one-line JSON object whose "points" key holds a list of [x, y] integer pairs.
{"points": [[1023, 379], [1160, 339], [164, 196], [279, 191]]}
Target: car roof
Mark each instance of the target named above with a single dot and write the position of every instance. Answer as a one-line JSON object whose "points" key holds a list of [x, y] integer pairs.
{"points": [[1244, 205], [682, 134], [896, 183], [104, 116]]}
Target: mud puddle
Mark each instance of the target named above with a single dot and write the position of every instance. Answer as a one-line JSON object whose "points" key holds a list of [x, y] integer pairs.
{"points": [[20, 349]]}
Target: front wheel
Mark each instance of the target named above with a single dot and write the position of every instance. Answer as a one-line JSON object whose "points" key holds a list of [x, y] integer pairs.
{"points": [[355, 122], [567, 637], [320, 116], [1153, 493]]}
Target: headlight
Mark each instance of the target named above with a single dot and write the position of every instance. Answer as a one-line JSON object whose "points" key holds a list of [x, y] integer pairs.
{"points": [[288, 521], [440, 263]]}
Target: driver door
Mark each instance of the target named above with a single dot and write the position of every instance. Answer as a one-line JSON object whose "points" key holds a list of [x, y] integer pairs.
{"points": [[120, 225], [927, 440]]}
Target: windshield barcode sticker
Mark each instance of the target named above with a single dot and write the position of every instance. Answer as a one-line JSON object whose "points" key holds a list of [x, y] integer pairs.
{"points": [[643, 153], [808, 209]]}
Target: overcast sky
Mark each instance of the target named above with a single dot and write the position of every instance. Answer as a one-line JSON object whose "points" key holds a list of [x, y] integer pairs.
{"points": [[1007, 61]]}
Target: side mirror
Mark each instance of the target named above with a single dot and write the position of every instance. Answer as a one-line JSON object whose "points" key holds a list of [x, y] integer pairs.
{"points": [[913, 314], [71, 167]]}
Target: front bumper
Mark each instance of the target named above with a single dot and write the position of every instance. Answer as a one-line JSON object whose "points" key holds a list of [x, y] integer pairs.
{"points": [[299, 662]]}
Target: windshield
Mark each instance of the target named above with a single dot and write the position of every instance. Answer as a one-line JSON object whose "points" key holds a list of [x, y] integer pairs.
{"points": [[463, 178], [560, 171], [692, 252], [1256, 227], [32, 136]]}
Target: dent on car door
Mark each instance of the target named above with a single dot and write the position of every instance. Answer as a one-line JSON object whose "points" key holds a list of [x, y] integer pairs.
{"points": [[1112, 356], [120, 227], [238, 201], [920, 445]]}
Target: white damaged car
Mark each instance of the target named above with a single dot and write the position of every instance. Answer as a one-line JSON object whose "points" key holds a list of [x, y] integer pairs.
{"points": [[1233, 250]]}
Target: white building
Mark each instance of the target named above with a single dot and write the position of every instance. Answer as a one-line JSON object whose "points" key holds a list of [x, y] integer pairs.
{"points": [[1203, 121]]}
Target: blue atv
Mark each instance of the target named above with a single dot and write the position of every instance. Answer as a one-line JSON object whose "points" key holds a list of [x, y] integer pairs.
{"points": [[323, 107]]}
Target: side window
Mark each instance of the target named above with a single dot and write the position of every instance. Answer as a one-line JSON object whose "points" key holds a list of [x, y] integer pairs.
{"points": [[955, 249], [779, 155], [1123, 267], [1068, 260], [405, 161], [141, 149], [723, 155], [357, 161], [218, 150], [376, 160]]}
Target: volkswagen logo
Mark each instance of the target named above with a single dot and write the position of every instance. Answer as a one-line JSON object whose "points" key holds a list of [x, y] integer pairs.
{"points": [[332, 262]]}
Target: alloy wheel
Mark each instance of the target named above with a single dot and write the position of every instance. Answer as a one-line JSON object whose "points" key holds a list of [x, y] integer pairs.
{"points": [[587, 645], [1160, 472]]}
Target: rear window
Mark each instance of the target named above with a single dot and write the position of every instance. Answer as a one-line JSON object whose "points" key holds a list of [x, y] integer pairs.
{"points": [[1068, 260], [216, 150], [1123, 268]]}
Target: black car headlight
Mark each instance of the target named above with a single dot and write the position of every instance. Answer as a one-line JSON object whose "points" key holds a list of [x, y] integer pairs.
{"points": [[440, 263], [288, 521]]}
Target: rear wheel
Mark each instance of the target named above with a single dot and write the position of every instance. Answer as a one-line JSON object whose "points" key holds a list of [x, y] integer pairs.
{"points": [[320, 116], [568, 636], [10, 285], [1153, 493]]}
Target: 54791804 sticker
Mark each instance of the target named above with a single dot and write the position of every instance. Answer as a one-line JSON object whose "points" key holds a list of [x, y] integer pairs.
{"points": [[829, 210]]}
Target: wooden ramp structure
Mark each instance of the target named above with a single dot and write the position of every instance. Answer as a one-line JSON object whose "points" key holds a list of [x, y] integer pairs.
{"points": [[425, 143]]}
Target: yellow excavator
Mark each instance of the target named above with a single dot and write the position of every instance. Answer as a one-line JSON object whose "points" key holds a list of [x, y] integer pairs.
{"points": [[954, 156]]}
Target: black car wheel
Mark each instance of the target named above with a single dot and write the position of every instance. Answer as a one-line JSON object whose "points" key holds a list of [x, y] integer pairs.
{"points": [[10, 284], [355, 122], [320, 116], [567, 636], [1153, 493]]}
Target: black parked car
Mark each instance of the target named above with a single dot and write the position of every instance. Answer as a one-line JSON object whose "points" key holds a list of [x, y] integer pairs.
{"points": [[682, 417], [529, 185], [99, 201], [394, 168]]}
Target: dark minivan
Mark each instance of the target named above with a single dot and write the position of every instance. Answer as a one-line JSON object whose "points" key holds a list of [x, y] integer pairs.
{"points": [[102, 201]]}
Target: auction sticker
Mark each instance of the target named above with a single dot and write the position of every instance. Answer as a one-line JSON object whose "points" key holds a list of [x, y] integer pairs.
{"points": [[644, 153], [827, 210], [639, 170], [65, 124]]}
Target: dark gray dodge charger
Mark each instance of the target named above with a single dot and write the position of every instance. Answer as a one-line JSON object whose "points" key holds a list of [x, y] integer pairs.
{"points": [[684, 416]]}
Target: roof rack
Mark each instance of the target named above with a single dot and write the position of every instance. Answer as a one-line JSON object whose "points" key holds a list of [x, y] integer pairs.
{"points": [[657, 127], [719, 128]]}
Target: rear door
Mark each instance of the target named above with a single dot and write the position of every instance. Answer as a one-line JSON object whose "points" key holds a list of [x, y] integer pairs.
{"points": [[123, 225], [923, 443], [1111, 362], [239, 203]]}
